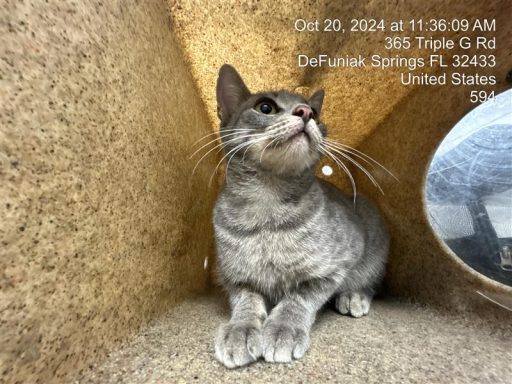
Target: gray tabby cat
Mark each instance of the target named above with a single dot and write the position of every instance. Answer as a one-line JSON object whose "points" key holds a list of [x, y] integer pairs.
{"points": [[287, 242]]}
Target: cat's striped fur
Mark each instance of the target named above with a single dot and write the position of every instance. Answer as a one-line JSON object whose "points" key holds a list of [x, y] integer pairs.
{"points": [[287, 242]]}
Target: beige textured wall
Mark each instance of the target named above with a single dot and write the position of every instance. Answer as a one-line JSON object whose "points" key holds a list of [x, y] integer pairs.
{"points": [[101, 225], [259, 39]]}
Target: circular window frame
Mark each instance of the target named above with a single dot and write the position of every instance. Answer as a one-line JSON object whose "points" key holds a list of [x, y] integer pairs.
{"points": [[487, 283]]}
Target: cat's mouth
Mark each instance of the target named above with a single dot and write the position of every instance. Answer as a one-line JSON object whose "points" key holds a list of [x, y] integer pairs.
{"points": [[302, 135], [296, 135]]}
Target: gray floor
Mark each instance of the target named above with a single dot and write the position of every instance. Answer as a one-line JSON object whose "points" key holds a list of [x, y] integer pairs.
{"points": [[397, 343]]}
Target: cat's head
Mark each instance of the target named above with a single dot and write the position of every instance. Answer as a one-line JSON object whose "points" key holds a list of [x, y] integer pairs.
{"points": [[278, 131]]}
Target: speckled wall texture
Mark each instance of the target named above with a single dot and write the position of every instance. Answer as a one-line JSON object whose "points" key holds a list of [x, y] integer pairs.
{"points": [[102, 226]]}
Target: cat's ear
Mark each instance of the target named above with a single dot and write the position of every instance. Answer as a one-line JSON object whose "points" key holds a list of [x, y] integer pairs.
{"points": [[231, 93], [316, 101]]}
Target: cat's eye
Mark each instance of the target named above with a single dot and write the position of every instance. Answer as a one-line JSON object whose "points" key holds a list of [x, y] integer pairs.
{"points": [[266, 107]]}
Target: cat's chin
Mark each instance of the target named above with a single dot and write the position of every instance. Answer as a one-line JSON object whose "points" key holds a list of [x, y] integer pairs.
{"points": [[300, 138], [292, 157]]}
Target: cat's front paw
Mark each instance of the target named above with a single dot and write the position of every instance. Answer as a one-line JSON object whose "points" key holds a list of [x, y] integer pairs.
{"points": [[356, 304], [283, 342], [238, 343]]}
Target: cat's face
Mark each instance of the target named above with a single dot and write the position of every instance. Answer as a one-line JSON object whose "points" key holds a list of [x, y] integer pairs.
{"points": [[279, 131]]}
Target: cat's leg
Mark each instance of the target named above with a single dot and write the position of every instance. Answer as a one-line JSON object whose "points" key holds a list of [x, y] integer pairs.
{"points": [[355, 295], [286, 330], [356, 304], [239, 341]]}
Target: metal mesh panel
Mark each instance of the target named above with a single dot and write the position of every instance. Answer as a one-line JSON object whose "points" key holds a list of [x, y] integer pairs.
{"points": [[451, 221]]}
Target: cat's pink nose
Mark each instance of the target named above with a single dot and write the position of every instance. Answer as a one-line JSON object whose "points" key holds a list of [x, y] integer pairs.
{"points": [[303, 111]]}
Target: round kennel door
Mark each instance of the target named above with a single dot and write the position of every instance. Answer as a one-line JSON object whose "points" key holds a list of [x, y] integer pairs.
{"points": [[469, 189]]}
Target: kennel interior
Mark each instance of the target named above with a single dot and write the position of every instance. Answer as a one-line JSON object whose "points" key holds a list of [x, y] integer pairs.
{"points": [[106, 237]]}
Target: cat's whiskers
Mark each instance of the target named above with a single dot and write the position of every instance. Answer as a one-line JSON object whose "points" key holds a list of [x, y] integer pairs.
{"points": [[217, 139], [347, 151], [359, 154], [272, 132], [269, 132], [232, 150], [236, 148], [249, 144], [357, 164], [221, 145], [218, 134], [282, 125], [278, 126], [275, 128], [246, 149], [266, 146], [343, 167]]}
